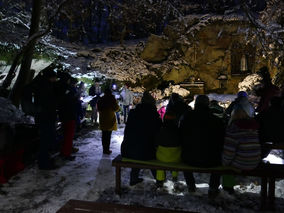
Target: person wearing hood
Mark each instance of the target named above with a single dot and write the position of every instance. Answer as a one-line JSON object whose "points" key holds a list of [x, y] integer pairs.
{"points": [[142, 125], [242, 99], [107, 106], [202, 137]]}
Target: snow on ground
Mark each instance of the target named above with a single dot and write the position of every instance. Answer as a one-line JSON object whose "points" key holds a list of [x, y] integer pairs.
{"points": [[91, 177]]}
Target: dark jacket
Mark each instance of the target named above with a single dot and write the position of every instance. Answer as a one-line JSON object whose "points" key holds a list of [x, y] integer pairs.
{"points": [[168, 135], [202, 138], [40, 98], [95, 90], [139, 135], [266, 94], [68, 102], [271, 123]]}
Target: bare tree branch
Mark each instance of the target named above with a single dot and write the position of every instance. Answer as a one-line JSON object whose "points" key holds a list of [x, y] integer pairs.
{"points": [[12, 72]]}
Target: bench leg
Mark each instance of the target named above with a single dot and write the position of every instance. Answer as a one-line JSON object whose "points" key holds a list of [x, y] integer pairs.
{"points": [[263, 193], [118, 180], [271, 193]]}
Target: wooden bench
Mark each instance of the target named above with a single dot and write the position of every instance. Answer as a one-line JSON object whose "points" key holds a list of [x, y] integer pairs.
{"points": [[77, 206], [268, 172]]}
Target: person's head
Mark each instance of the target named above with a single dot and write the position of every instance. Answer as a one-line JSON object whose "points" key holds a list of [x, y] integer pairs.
{"points": [[74, 81], [175, 101], [50, 75], [202, 101], [242, 94], [214, 103], [107, 92], [188, 99], [238, 114], [126, 85], [64, 77], [264, 72], [148, 99]]}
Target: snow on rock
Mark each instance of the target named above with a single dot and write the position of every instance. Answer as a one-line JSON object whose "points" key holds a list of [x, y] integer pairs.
{"points": [[159, 94], [11, 114], [250, 83]]}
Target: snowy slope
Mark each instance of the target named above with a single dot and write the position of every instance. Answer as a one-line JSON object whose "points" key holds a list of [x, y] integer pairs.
{"points": [[91, 177]]}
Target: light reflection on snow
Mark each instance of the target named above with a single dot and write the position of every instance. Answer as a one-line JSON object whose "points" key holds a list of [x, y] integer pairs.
{"points": [[274, 159]]}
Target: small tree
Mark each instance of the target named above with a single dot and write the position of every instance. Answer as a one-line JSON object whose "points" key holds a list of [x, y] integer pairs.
{"points": [[25, 55]]}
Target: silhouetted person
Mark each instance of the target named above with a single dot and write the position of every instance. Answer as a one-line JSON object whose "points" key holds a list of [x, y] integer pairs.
{"points": [[202, 136], [141, 128], [68, 112], [43, 107], [127, 100], [241, 147], [107, 106], [267, 92]]}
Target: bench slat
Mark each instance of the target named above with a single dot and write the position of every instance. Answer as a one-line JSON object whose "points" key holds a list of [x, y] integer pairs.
{"points": [[78, 206], [264, 170]]}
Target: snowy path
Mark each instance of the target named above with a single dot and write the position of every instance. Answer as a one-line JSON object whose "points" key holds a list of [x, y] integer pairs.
{"points": [[91, 177]]}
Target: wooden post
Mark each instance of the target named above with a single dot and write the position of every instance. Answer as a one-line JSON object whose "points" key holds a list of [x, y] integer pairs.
{"points": [[118, 180], [271, 193], [263, 193]]}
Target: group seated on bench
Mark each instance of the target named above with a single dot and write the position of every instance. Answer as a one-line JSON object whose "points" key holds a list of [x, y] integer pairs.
{"points": [[268, 171], [196, 137]]}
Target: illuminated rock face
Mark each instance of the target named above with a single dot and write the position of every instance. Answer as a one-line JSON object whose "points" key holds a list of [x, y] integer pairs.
{"points": [[216, 52]]}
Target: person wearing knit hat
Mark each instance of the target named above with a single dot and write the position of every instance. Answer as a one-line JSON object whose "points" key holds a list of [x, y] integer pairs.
{"points": [[147, 98], [242, 94], [242, 99]]}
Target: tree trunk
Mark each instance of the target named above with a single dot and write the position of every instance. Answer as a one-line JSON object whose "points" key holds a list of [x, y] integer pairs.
{"points": [[24, 73]]}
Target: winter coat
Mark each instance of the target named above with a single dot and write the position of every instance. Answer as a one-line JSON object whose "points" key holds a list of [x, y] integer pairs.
{"points": [[241, 147], [162, 112], [95, 90], [202, 137], [67, 102], [168, 142], [142, 125], [127, 97], [271, 124], [107, 106], [44, 105], [266, 94]]}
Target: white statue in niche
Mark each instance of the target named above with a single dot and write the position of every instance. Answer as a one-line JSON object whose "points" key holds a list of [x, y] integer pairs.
{"points": [[244, 64]]}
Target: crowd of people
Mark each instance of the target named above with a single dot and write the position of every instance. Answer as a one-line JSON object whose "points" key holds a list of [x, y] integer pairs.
{"points": [[206, 136], [57, 97], [50, 100]]}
